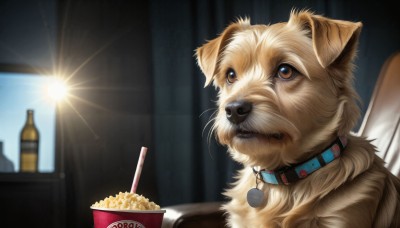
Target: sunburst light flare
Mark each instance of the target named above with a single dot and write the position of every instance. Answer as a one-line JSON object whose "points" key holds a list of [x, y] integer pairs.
{"points": [[57, 90]]}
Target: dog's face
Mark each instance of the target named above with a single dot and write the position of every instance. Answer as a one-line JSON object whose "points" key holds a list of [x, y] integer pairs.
{"points": [[284, 89]]}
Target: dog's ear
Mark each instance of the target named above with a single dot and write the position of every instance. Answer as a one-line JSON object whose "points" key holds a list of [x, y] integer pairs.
{"points": [[333, 40], [334, 43], [209, 54]]}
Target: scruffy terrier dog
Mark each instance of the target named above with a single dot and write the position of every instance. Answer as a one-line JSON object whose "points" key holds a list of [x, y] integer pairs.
{"points": [[285, 110]]}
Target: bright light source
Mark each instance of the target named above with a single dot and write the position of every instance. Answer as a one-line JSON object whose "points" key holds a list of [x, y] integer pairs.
{"points": [[57, 90]]}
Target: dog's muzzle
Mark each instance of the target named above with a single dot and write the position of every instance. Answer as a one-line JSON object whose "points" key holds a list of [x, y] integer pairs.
{"points": [[237, 111]]}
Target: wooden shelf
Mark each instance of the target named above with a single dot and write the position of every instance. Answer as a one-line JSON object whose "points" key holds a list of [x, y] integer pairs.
{"points": [[31, 177]]}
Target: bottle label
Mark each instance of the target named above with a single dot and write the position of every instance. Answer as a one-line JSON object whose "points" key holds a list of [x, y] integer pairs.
{"points": [[29, 156], [29, 147]]}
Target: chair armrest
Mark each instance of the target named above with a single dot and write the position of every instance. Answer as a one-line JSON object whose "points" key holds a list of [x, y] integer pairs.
{"points": [[193, 215]]}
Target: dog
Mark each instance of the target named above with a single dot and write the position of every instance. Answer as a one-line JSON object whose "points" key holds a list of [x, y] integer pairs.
{"points": [[286, 108]]}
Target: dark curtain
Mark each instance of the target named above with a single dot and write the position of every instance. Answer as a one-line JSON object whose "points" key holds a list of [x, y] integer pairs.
{"points": [[190, 167]]}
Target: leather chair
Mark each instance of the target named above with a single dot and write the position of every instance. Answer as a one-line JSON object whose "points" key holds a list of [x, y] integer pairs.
{"points": [[380, 124], [194, 215], [381, 121]]}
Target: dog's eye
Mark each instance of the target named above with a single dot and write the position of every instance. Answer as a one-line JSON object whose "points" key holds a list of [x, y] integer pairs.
{"points": [[286, 72], [230, 76]]}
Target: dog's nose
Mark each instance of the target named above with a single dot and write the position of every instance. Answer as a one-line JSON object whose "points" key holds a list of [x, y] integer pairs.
{"points": [[237, 111]]}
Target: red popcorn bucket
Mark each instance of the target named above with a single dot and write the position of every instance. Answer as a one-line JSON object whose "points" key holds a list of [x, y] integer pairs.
{"points": [[114, 218]]}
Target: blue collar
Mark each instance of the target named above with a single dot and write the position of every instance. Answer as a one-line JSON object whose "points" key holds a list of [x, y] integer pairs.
{"points": [[291, 174]]}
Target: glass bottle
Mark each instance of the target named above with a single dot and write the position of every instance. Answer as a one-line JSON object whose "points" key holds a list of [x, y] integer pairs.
{"points": [[29, 145]]}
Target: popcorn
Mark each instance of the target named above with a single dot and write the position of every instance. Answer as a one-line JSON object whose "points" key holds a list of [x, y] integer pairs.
{"points": [[126, 201]]}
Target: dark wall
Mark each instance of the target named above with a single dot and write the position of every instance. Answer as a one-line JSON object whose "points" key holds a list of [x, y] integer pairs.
{"points": [[28, 32]]}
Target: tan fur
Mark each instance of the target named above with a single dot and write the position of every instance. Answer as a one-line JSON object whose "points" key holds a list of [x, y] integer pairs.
{"points": [[310, 110]]}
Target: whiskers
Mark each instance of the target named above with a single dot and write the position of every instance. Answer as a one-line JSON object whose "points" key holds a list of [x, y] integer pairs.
{"points": [[211, 121], [210, 124]]}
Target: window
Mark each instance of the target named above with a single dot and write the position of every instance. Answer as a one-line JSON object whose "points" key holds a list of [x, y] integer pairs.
{"points": [[19, 92]]}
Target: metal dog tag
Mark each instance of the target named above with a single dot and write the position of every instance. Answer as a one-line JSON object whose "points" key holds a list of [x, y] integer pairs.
{"points": [[255, 197]]}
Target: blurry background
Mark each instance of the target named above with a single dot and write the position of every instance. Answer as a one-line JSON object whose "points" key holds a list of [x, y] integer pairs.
{"points": [[134, 82]]}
